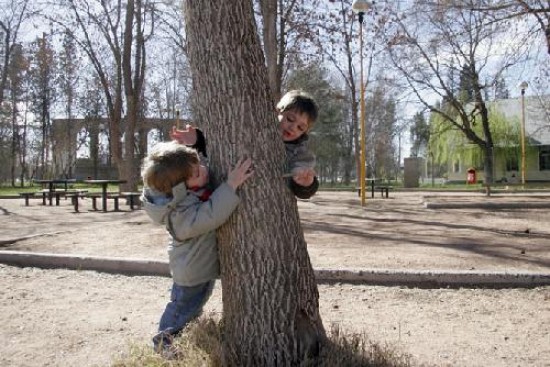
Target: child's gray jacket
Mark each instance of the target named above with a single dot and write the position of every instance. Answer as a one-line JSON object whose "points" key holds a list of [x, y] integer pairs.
{"points": [[298, 155], [191, 223]]}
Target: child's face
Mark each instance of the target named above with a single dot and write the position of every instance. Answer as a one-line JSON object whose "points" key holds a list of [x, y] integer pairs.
{"points": [[293, 124], [199, 178]]}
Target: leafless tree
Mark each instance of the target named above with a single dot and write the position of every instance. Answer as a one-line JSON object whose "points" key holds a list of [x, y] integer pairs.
{"points": [[13, 13], [113, 36], [502, 10], [429, 45], [17, 76], [42, 74]]}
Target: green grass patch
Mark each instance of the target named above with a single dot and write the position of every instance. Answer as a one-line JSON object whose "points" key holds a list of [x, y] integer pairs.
{"points": [[8, 190]]}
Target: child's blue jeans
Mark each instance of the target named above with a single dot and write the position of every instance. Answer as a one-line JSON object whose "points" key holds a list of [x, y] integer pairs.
{"points": [[185, 304]]}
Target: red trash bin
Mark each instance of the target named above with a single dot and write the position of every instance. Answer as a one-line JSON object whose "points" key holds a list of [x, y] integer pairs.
{"points": [[471, 177]]}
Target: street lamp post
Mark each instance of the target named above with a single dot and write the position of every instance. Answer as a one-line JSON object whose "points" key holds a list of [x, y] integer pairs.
{"points": [[178, 119], [359, 7], [523, 86]]}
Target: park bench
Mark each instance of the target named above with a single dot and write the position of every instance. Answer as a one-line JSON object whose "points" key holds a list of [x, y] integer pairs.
{"points": [[384, 189], [376, 185], [75, 195], [26, 196], [501, 186], [94, 196], [132, 198], [49, 195], [115, 196]]}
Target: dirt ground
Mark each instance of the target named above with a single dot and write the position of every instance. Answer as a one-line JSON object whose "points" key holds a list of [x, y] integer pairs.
{"points": [[84, 318]]}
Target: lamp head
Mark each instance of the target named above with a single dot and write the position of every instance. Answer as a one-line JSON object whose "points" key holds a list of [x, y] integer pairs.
{"points": [[523, 85], [360, 6]]}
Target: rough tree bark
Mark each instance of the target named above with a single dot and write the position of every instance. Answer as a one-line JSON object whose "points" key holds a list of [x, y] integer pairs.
{"points": [[269, 16], [270, 298]]}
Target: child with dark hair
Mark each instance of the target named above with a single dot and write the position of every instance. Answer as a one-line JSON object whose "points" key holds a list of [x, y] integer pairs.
{"points": [[297, 112]]}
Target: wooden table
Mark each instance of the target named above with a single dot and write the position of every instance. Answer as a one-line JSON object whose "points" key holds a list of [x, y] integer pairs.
{"points": [[372, 182], [104, 184], [51, 186]]}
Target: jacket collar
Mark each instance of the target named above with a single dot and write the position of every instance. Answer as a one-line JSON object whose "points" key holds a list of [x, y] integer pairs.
{"points": [[301, 139]]}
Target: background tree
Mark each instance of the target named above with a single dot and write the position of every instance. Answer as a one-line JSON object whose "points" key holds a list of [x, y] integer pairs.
{"points": [[425, 48], [447, 144], [68, 85], [113, 36], [381, 125], [337, 27], [419, 134], [17, 74], [13, 13], [270, 298], [42, 73], [328, 136], [93, 107], [286, 28], [502, 10]]}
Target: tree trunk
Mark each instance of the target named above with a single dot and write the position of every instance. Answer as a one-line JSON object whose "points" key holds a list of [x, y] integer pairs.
{"points": [[488, 163], [270, 297], [269, 16]]}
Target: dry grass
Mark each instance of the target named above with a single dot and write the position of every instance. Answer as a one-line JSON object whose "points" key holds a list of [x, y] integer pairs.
{"points": [[200, 346]]}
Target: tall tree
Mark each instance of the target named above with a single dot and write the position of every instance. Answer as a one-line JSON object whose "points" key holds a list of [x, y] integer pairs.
{"points": [[286, 29], [42, 71], [113, 36], [13, 14], [502, 10], [381, 124], [427, 43], [139, 25], [270, 298], [68, 80], [17, 74], [419, 133]]}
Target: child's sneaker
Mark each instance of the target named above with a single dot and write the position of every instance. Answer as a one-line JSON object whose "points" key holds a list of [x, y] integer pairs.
{"points": [[162, 341], [172, 353]]}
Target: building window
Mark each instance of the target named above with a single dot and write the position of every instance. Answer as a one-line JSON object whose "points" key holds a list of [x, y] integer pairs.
{"points": [[544, 158], [512, 163], [456, 167]]}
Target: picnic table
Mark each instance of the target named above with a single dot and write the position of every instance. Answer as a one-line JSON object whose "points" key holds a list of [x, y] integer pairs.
{"points": [[51, 190], [104, 194], [376, 184]]}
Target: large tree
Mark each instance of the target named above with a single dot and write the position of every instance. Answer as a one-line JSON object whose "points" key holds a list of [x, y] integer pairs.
{"points": [[13, 14], [113, 35], [431, 44], [43, 88], [502, 10], [270, 297], [17, 75]]}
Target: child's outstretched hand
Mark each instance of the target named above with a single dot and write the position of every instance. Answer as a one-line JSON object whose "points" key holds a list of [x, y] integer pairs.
{"points": [[187, 136], [303, 176], [240, 173]]}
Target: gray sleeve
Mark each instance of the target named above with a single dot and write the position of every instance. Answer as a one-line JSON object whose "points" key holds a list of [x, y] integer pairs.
{"points": [[202, 217]]}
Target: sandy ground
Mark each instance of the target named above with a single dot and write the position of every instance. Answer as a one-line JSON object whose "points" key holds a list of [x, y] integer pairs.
{"points": [[71, 318]]}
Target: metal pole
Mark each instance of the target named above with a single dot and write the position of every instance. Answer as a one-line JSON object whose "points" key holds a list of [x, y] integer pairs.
{"points": [[523, 136], [363, 145]]}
